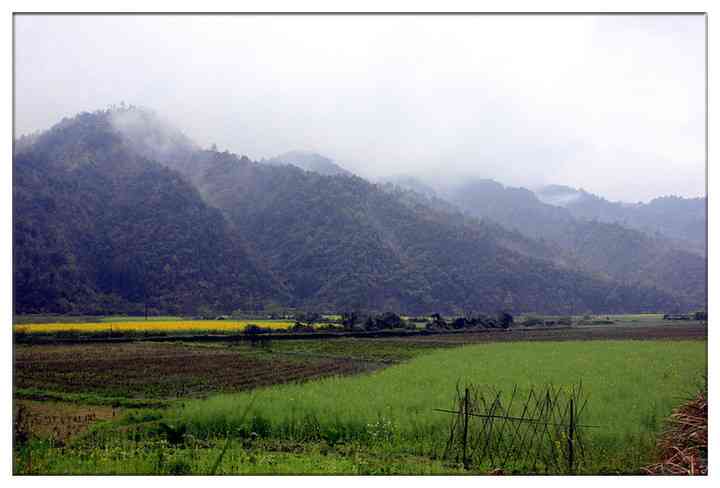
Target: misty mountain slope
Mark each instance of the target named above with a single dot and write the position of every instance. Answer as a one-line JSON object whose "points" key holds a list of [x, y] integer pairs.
{"points": [[618, 252], [93, 215], [508, 238], [146, 132], [417, 196], [196, 163], [515, 208], [97, 227], [681, 219], [610, 249], [308, 161], [225, 194], [410, 183], [632, 256], [342, 242]]}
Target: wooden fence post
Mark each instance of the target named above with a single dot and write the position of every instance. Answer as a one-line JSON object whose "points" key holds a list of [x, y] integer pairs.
{"points": [[544, 418], [465, 427], [571, 438]]}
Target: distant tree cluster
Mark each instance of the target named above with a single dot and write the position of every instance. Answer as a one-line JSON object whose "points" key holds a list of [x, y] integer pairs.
{"points": [[391, 320], [357, 321], [502, 320]]}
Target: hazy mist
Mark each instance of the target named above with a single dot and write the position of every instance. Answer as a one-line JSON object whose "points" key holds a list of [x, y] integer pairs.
{"points": [[612, 104]]}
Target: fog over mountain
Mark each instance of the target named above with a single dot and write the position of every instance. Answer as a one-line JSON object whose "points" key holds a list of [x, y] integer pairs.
{"points": [[611, 104], [308, 161], [116, 211]]}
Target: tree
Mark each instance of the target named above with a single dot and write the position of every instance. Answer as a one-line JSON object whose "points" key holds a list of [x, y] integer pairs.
{"points": [[390, 320], [349, 320], [505, 320], [437, 322], [309, 317], [460, 323]]}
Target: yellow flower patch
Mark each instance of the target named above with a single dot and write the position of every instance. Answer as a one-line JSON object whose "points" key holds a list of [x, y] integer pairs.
{"points": [[150, 326]]}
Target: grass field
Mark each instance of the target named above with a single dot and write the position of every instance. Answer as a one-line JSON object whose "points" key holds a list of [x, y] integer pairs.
{"points": [[627, 319], [637, 317], [632, 386], [383, 421]]}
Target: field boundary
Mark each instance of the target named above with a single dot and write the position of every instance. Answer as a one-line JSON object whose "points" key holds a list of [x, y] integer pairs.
{"points": [[87, 399], [28, 337], [439, 337]]}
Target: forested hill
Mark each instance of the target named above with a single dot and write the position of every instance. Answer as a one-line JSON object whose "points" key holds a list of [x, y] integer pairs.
{"points": [[97, 228], [106, 218], [621, 253], [683, 219], [309, 161]]}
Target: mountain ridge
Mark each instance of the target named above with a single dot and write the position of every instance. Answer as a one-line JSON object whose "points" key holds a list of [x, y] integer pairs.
{"points": [[286, 236], [673, 217], [309, 161]]}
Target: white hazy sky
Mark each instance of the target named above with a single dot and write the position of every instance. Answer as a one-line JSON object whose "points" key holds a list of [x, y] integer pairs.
{"points": [[612, 104]]}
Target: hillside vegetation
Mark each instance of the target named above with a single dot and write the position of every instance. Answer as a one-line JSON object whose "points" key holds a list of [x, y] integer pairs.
{"points": [[116, 210], [598, 245]]}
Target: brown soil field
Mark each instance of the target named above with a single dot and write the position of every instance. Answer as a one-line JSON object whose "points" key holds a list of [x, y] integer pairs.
{"points": [[159, 370], [58, 420], [633, 332]]}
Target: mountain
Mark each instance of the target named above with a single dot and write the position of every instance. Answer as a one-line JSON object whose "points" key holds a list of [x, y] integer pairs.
{"points": [[111, 212], [611, 249], [416, 196], [98, 228], [515, 208], [343, 242], [308, 161], [248, 194], [683, 220]]}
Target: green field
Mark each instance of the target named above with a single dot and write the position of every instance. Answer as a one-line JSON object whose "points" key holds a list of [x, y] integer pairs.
{"points": [[632, 385], [384, 421], [627, 319]]}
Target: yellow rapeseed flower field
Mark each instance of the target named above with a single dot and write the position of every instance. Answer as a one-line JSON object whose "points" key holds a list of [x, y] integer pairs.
{"points": [[150, 326]]}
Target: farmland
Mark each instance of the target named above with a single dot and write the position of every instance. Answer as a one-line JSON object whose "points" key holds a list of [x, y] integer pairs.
{"points": [[398, 401], [345, 405], [147, 370]]}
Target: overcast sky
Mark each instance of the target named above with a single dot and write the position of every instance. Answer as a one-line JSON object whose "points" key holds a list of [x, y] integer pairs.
{"points": [[612, 104]]}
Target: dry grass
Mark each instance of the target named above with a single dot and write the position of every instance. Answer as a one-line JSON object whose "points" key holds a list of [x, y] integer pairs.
{"points": [[683, 446]]}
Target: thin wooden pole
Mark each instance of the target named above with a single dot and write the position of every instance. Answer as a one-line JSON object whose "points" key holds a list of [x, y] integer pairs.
{"points": [[465, 427], [571, 438]]}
